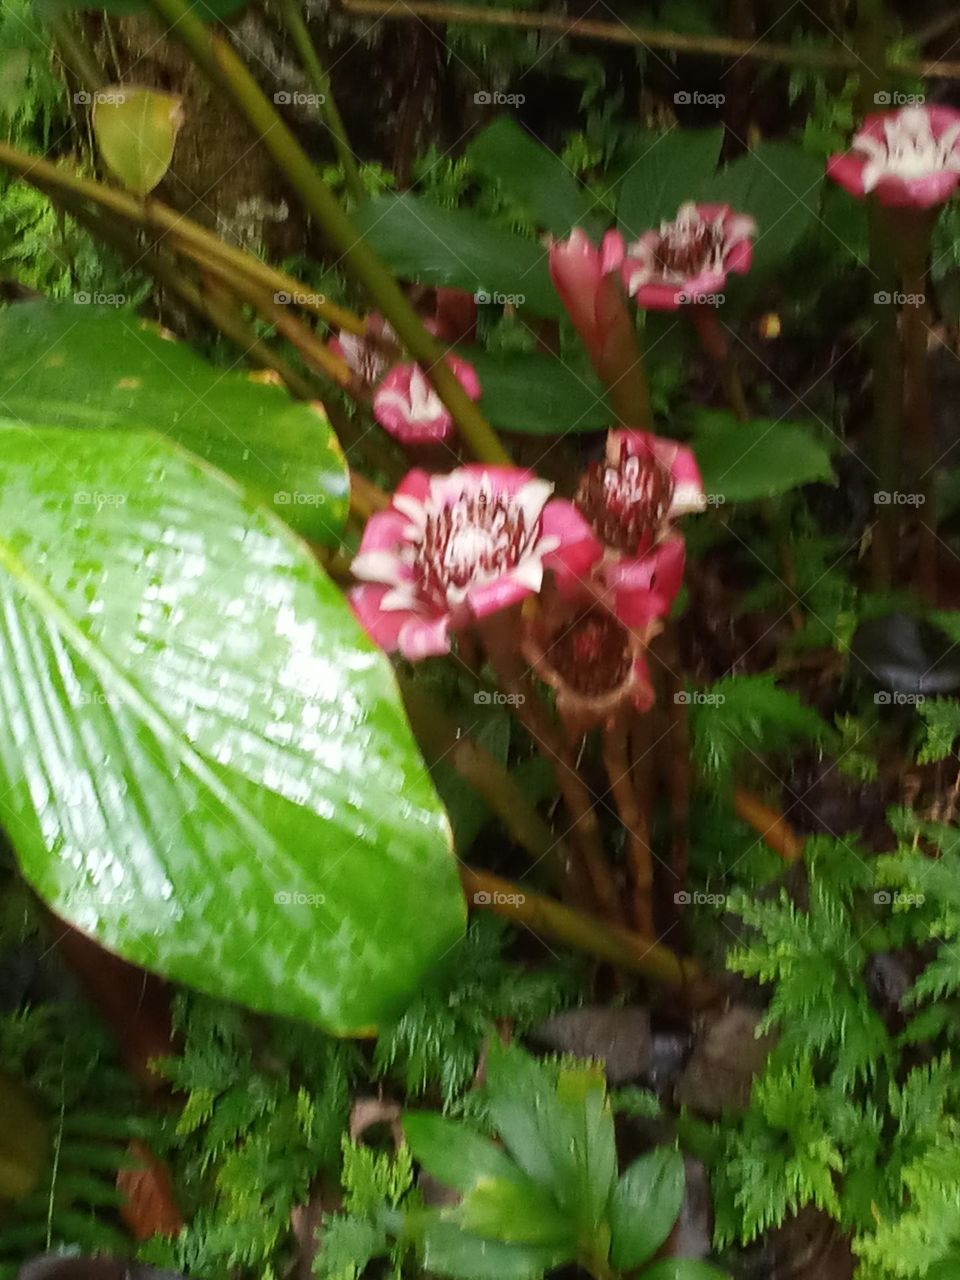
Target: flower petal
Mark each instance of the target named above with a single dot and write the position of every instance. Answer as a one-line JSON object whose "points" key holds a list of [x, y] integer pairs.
{"points": [[383, 627], [424, 638]]}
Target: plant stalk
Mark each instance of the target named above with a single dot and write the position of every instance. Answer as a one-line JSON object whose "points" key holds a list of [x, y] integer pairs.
{"points": [[500, 638], [296, 25], [650, 37], [440, 736], [190, 238], [618, 946], [634, 817], [227, 71], [918, 411]]}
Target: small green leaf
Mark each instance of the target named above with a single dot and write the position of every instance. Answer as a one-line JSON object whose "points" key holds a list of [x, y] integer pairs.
{"points": [[456, 247], [449, 1251], [92, 367], [453, 1153], [644, 1206], [136, 131], [517, 1210], [744, 461], [534, 177], [560, 1133], [671, 169]]}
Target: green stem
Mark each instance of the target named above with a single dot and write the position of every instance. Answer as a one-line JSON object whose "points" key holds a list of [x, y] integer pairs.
{"points": [[189, 238], [75, 53], [618, 946], [218, 312], [440, 736], [226, 70], [622, 32], [300, 35]]}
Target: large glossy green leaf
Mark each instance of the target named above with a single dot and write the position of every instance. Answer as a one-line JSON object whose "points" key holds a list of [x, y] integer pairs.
{"points": [[742, 461], [453, 247], [82, 365], [534, 177], [539, 395], [204, 762], [671, 168], [644, 1207], [779, 184]]}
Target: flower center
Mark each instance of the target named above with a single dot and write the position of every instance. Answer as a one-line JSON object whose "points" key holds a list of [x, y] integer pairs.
{"points": [[689, 245], [468, 541], [626, 504], [593, 655], [909, 149]]}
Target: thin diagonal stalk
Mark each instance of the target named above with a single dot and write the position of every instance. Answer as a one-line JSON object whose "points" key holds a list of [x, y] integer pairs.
{"points": [[718, 351], [622, 32], [300, 35], [226, 70], [618, 946]]}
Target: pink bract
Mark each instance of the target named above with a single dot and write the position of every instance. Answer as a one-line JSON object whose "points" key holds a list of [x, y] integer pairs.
{"points": [[908, 158], [583, 276], [407, 406], [452, 549], [689, 258]]}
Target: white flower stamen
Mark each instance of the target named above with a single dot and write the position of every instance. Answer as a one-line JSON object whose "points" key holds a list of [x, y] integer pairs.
{"points": [[908, 149]]}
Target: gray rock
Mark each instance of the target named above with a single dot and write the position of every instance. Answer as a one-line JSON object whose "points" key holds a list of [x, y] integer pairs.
{"points": [[725, 1059], [619, 1037]]}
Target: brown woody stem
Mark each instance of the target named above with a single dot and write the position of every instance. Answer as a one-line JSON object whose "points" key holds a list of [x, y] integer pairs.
{"points": [[772, 827], [634, 817], [500, 637]]}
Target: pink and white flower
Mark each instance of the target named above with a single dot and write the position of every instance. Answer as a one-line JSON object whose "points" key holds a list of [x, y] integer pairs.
{"points": [[453, 549], [631, 500], [906, 158], [370, 355], [406, 405], [591, 658], [689, 257]]}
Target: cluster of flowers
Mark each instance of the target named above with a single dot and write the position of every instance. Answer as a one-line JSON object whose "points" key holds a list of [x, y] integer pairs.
{"points": [[453, 549]]}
